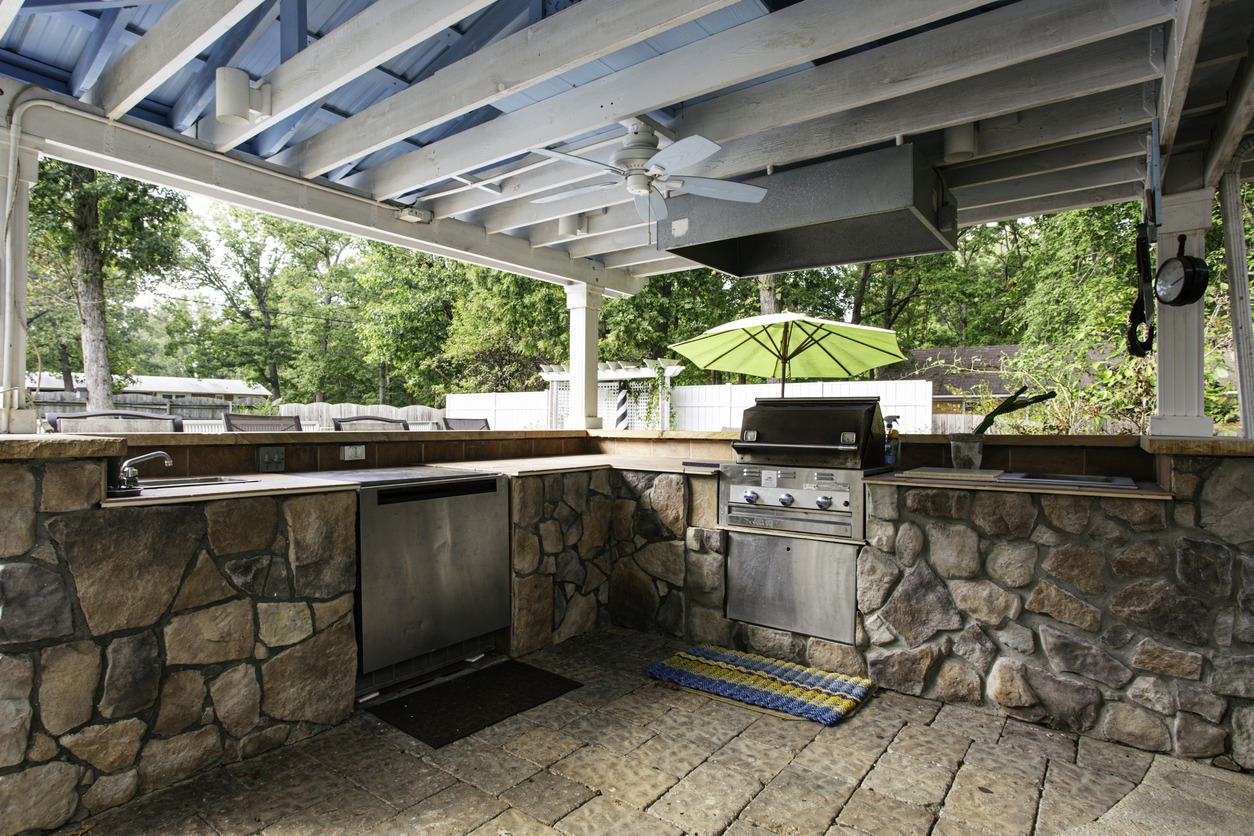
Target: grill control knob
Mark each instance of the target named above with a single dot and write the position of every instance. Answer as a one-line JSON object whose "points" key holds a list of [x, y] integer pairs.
{"points": [[823, 502], [751, 496], [786, 499]]}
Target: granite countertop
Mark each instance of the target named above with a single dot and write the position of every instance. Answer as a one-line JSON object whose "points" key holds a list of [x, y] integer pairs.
{"points": [[258, 484], [1143, 490], [561, 464]]}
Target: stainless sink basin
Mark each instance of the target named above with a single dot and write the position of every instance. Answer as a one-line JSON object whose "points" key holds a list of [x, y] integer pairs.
{"points": [[1071, 479], [191, 481]]}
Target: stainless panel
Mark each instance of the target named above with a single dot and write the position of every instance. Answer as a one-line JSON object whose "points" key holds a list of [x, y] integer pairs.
{"points": [[821, 500], [434, 566], [868, 207], [806, 586]]}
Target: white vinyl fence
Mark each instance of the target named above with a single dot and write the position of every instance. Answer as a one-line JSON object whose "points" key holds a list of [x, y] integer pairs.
{"points": [[698, 408]]}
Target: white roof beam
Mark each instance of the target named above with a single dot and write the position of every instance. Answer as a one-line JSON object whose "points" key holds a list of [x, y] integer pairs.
{"points": [[994, 42], [380, 33], [582, 33], [180, 34], [134, 151], [674, 264], [1120, 193], [629, 238], [804, 32], [634, 257], [598, 223], [8, 13], [1181, 60], [1233, 123], [1059, 158], [1053, 183]]}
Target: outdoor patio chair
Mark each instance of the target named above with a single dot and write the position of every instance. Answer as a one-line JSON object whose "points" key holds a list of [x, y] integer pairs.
{"points": [[114, 421], [360, 423], [466, 424], [238, 423]]}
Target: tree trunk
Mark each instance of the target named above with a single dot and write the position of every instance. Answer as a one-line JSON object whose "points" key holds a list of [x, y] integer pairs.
{"points": [[864, 281], [383, 383], [67, 372], [272, 380], [768, 294], [89, 277]]}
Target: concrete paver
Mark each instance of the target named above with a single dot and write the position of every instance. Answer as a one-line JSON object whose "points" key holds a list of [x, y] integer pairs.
{"points": [[626, 755]]}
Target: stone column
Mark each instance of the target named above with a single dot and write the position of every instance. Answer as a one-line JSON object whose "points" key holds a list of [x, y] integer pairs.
{"points": [[584, 304], [14, 419], [1180, 350]]}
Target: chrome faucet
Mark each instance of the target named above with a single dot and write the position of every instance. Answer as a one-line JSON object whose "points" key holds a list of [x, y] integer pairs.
{"points": [[130, 476]]}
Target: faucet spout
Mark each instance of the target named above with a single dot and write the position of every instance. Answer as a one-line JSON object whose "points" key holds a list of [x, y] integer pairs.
{"points": [[130, 475]]}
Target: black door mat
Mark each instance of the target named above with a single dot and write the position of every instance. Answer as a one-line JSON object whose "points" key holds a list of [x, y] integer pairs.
{"points": [[460, 707]]}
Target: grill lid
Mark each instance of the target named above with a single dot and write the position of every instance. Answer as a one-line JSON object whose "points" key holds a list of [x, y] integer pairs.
{"points": [[831, 432]]}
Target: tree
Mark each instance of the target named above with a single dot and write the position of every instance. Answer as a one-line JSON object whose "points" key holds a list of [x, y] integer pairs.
{"points": [[95, 236]]}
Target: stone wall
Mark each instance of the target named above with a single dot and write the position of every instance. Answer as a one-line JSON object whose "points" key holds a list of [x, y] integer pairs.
{"points": [[1131, 620], [139, 645]]}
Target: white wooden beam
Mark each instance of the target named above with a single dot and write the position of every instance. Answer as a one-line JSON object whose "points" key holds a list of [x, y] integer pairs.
{"points": [[1233, 123], [135, 151], [634, 257], [803, 32], [599, 223], [1058, 158], [582, 33], [8, 13], [639, 235], [381, 32], [177, 37], [1050, 205], [671, 265], [1181, 58], [1102, 175], [992, 42]]}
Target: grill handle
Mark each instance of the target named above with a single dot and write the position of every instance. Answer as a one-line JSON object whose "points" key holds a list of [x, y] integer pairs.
{"points": [[762, 445]]}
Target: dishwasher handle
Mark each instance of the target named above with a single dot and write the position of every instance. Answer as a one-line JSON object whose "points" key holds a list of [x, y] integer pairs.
{"points": [[423, 491]]}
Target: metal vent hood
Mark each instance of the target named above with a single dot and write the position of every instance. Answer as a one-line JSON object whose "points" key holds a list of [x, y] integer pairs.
{"points": [[870, 207]]}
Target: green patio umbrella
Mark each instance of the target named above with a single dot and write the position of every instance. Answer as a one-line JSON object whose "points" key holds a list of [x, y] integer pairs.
{"points": [[792, 345]]}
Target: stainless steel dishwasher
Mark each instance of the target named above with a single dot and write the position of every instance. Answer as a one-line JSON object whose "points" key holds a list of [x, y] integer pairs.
{"points": [[433, 561]]}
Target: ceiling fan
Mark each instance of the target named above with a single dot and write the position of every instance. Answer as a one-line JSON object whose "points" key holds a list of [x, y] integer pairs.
{"points": [[651, 175]]}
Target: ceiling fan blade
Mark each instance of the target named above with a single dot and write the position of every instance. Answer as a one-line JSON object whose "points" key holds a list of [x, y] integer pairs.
{"points": [[651, 208], [589, 189], [720, 189], [688, 151], [571, 158]]}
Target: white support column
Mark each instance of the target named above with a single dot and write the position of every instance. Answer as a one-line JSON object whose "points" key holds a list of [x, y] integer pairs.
{"points": [[13, 290], [1180, 348], [584, 304]]}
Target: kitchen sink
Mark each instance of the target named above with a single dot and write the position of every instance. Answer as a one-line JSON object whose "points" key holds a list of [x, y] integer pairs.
{"points": [[192, 481], [1071, 479]]}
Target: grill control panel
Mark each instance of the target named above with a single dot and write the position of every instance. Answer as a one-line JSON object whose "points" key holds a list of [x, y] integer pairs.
{"points": [[803, 499]]}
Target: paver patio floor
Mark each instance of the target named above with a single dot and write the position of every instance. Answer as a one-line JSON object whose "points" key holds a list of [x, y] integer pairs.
{"points": [[626, 755]]}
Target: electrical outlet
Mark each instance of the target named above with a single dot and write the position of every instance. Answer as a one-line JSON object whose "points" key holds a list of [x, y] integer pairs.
{"points": [[353, 452], [271, 459]]}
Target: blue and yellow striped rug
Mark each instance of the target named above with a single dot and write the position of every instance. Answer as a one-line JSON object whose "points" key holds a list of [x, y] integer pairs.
{"points": [[767, 683]]}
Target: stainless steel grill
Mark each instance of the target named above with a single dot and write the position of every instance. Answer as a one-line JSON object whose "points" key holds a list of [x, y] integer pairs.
{"points": [[794, 507]]}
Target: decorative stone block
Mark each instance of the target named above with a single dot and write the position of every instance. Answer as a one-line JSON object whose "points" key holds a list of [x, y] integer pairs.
{"points": [[1141, 514], [974, 646], [1199, 700], [956, 682], [527, 500], [1227, 496], [905, 671], [102, 545], [1017, 637], [882, 535], [634, 599], [1242, 737], [703, 498], [237, 699], [986, 602], [17, 509], [166, 761], [1013, 564], [1003, 514], [882, 502], [706, 625], [1145, 559], [706, 584], [67, 687], [1071, 655], [109, 746], [1117, 635], [910, 543], [580, 617], [182, 701], [1154, 694], [920, 607], [532, 618], [327, 613], [1077, 566], [1204, 567], [1045, 536], [39, 798], [205, 585], [1068, 704], [670, 502], [663, 560], [313, 681], [1062, 605], [937, 502], [1136, 727], [955, 550], [322, 543], [1008, 685], [71, 486], [17, 676], [1233, 676], [132, 674], [1109, 534], [216, 634], [1158, 658], [876, 577], [241, 525], [715, 540], [1194, 738], [1070, 513], [835, 657], [575, 490], [775, 644], [111, 790], [1161, 607], [596, 526], [34, 604]]}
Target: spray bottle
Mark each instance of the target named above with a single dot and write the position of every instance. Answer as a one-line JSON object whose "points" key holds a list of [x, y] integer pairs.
{"points": [[892, 442]]}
